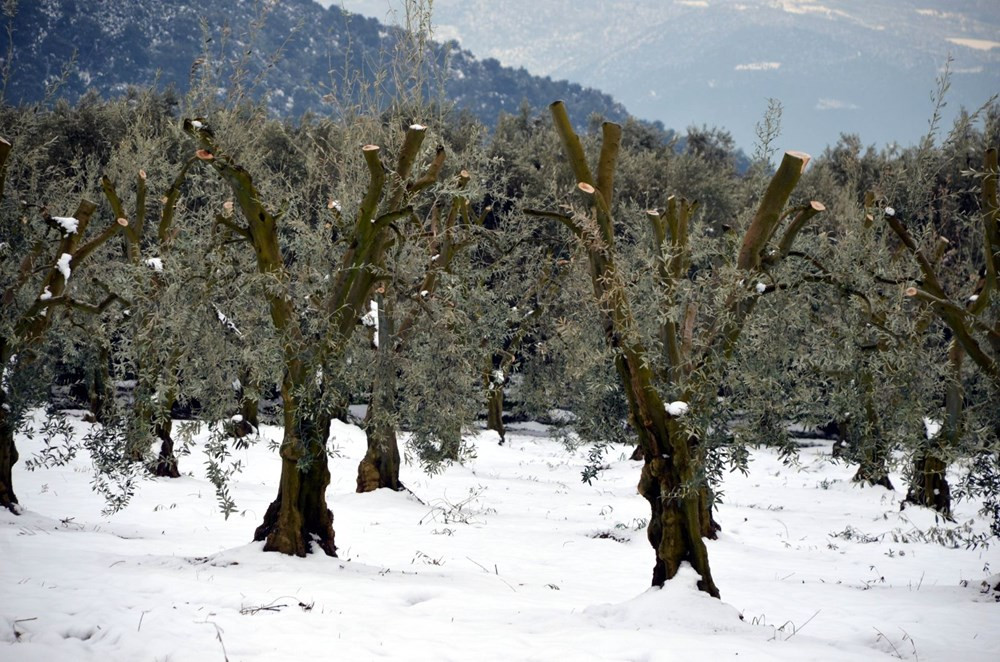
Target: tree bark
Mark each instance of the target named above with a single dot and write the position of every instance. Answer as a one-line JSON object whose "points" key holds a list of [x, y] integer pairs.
{"points": [[678, 511], [676, 524], [930, 483], [165, 465], [8, 457], [494, 411], [299, 516], [930, 486], [380, 466], [97, 388], [866, 438]]}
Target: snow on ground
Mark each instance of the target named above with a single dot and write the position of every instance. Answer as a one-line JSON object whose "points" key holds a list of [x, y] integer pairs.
{"points": [[511, 558]]}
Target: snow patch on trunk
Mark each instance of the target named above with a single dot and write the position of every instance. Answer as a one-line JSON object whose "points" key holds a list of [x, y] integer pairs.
{"points": [[69, 224], [677, 408], [62, 264]]}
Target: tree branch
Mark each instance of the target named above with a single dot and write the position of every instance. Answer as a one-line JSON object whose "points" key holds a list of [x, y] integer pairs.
{"points": [[926, 266], [235, 227], [170, 203], [5, 147], [799, 222], [571, 143], [575, 227], [610, 144], [132, 237], [430, 176], [768, 215], [955, 317], [92, 245], [70, 302]]}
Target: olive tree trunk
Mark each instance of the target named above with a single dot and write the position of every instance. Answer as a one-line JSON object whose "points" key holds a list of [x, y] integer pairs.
{"points": [[299, 516], [494, 410], [379, 468], [8, 455], [866, 440], [165, 465], [929, 486], [31, 326]]}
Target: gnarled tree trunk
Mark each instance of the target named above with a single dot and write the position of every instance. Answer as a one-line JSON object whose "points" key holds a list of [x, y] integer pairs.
{"points": [[678, 519], [676, 524], [380, 466], [494, 410], [867, 442], [165, 465], [299, 515], [929, 487], [8, 456]]}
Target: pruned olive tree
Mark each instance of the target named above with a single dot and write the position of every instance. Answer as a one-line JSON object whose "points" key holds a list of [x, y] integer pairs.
{"points": [[40, 254], [155, 353], [402, 305], [970, 314], [697, 338], [314, 318]]}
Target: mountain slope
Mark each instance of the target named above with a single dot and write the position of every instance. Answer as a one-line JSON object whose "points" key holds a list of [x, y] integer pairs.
{"points": [[292, 52]]}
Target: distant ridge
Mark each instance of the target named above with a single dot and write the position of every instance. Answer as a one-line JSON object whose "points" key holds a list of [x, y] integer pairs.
{"points": [[114, 44], [837, 66]]}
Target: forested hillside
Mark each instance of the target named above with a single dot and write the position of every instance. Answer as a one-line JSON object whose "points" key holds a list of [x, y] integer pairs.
{"points": [[293, 55]]}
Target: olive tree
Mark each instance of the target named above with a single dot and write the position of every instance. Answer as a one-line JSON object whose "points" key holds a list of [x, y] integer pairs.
{"points": [[315, 303], [41, 252], [695, 341]]}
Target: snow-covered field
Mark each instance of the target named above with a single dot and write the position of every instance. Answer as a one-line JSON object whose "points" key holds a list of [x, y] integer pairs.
{"points": [[510, 557]]}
